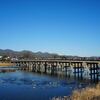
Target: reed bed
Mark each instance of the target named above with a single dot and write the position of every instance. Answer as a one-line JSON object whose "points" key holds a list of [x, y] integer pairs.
{"points": [[88, 93]]}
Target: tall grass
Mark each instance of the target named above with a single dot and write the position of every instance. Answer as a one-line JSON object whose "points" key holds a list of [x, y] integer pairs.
{"points": [[92, 93], [87, 94]]}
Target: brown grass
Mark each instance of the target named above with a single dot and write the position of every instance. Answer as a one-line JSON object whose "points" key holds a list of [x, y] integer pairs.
{"points": [[87, 94], [84, 94], [6, 64]]}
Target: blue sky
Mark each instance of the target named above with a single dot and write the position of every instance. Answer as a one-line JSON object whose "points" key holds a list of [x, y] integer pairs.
{"points": [[70, 27]]}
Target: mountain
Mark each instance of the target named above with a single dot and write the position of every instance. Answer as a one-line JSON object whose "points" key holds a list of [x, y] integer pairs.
{"points": [[25, 54], [8, 52]]}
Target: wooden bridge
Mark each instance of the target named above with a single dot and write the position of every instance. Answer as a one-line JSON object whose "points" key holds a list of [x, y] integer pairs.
{"points": [[79, 69]]}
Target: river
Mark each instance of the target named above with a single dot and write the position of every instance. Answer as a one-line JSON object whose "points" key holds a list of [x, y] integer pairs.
{"points": [[22, 85]]}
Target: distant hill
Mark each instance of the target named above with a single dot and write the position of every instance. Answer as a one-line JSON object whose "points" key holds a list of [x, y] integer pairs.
{"points": [[8, 52], [25, 54]]}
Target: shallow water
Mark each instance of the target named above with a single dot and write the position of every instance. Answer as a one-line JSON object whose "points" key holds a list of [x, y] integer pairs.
{"points": [[22, 85]]}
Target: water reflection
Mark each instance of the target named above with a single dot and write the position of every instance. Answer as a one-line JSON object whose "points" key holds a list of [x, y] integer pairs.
{"points": [[22, 85]]}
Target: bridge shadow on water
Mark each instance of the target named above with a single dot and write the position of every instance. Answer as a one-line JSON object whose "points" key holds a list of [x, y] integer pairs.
{"points": [[30, 85]]}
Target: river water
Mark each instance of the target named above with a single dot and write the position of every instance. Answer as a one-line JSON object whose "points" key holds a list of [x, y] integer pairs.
{"points": [[22, 85]]}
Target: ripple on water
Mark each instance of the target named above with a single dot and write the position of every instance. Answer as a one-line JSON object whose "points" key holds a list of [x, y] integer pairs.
{"points": [[35, 83]]}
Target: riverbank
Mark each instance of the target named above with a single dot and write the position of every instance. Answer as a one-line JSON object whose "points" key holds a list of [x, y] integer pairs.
{"points": [[92, 93], [4, 64], [7, 70]]}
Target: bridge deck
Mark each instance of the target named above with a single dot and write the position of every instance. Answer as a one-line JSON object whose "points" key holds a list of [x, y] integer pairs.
{"points": [[63, 61]]}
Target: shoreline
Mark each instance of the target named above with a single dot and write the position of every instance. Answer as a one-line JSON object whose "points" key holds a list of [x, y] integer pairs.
{"points": [[88, 93], [3, 64]]}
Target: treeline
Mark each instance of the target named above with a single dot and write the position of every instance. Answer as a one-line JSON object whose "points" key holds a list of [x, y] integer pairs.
{"points": [[19, 55]]}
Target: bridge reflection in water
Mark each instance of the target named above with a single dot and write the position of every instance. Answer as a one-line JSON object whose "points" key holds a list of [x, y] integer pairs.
{"points": [[77, 69]]}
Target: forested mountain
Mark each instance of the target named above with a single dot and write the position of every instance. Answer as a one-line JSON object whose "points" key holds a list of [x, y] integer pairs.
{"points": [[25, 54]]}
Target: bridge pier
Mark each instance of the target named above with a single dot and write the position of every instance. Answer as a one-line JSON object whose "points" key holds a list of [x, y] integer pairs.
{"points": [[78, 70], [94, 74], [33, 67], [81, 70], [60, 67]]}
